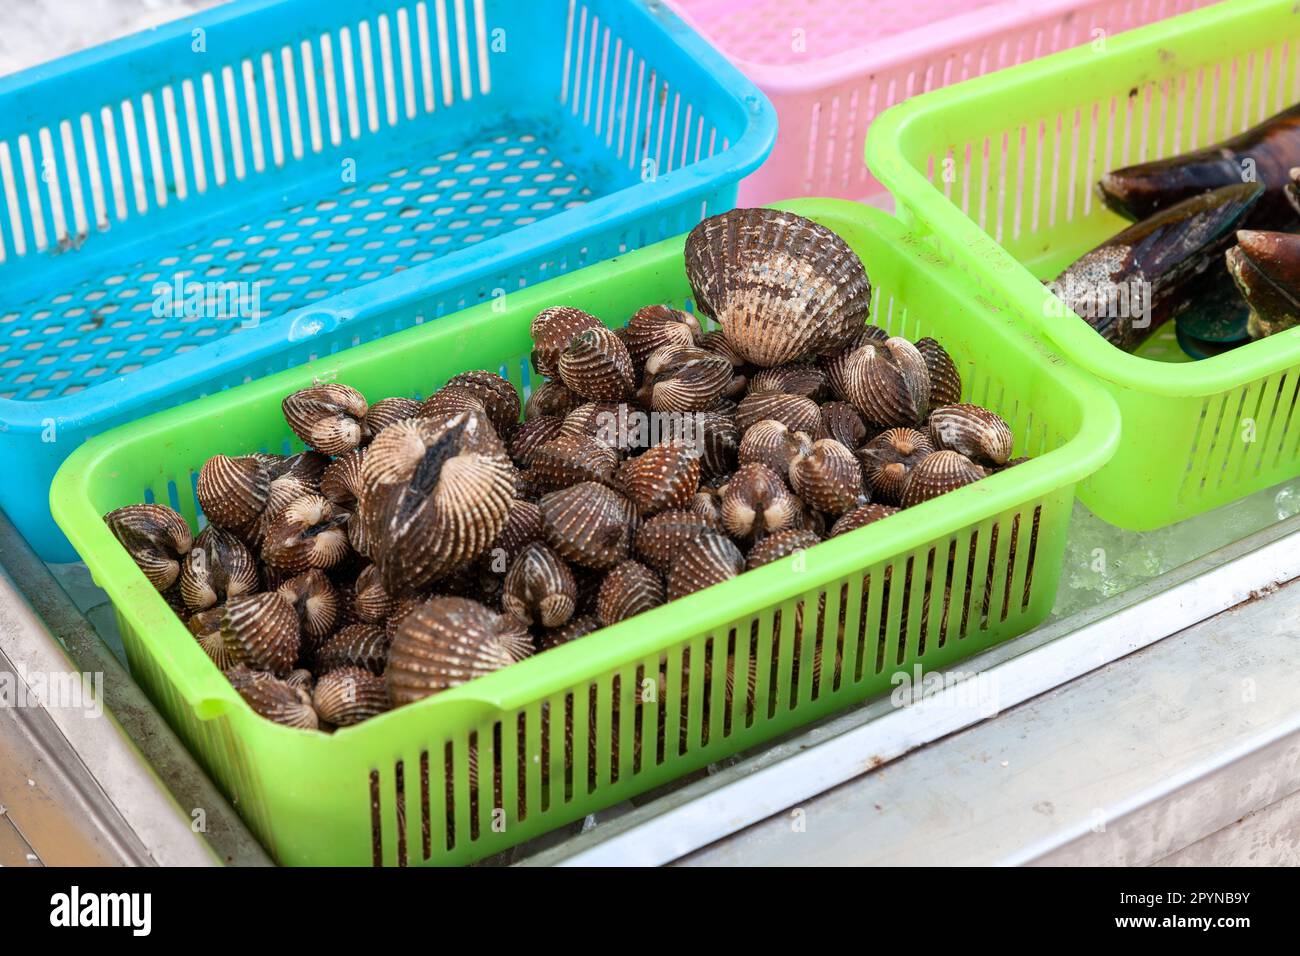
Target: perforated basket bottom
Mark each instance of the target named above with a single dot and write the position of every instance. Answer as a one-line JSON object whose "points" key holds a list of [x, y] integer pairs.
{"points": [[323, 238]]}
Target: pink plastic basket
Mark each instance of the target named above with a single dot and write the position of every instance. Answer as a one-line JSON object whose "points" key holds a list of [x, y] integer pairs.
{"points": [[830, 66]]}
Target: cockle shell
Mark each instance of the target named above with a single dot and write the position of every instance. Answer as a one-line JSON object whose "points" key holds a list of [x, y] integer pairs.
{"points": [[756, 502], [494, 393], [570, 459], [656, 326], [523, 526], [781, 286], [233, 491], [309, 533], [888, 459], [206, 628], [218, 566], [945, 380], [707, 504], [706, 560], [588, 524], [327, 417], [888, 383], [576, 627], [385, 412], [436, 493], [156, 537], [552, 330], [979, 434], [370, 602], [262, 631], [797, 378], [597, 366], [550, 398], [660, 539], [780, 545], [531, 435], [629, 589], [451, 399], [841, 421], [662, 477], [771, 443], [341, 481], [447, 641], [357, 645], [300, 677], [794, 411], [860, 516], [938, 473], [836, 365], [682, 378], [349, 695], [712, 435], [539, 588], [827, 477], [316, 601], [273, 698]]}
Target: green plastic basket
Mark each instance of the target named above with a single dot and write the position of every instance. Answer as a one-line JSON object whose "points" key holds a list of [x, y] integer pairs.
{"points": [[998, 174], [397, 789]]}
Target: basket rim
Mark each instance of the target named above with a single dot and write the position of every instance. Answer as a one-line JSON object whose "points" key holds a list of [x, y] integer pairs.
{"points": [[992, 263], [210, 694], [605, 214]]}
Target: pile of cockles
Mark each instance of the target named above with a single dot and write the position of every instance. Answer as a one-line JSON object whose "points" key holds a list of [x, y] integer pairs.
{"points": [[417, 545], [1213, 245]]}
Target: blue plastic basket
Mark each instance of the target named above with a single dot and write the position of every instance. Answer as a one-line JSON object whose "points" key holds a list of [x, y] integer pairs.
{"points": [[234, 194]]}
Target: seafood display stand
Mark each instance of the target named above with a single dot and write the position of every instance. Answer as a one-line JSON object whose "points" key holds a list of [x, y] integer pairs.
{"points": [[1191, 623]]}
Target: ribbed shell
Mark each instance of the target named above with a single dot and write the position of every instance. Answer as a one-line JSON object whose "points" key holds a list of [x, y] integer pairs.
{"points": [[684, 379], [859, 516], [836, 364], [370, 602], [300, 678], [888, 383], [597, 366], [262, 631], [828, 477], [552, 330], [539, 588], [206, 628], [576, 627], [233, 491], [448, 641], [797, 413], [531, 435], [712, 434], [569, 459], [341, 482], [664, 476], [797, 378], [349, 695], [218, 566], [781, 286], [550, 398], [888, 459], [660, 539], [275, 699], [495, 394], [316, 601], [707, 504], [523, 526], [708, 559], [841, 421], [436, 493], [716, 342], [945, 380], [588, 524], [655, 326], [285, 490], [630, 588], [773, 444], [451, 399], [385, 412], [780, 545], [975, 432], [756, 502], [327, 417], [309, 533], [938, 473], [357, 645], [156, 537]]}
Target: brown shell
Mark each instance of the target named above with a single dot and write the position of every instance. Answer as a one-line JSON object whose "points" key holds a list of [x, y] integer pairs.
{"points": [[945, 380], [569, 459], [771, 443], [588, 524], [552, 330], [780, 545], [371, 604], [859, 516], [630, 588], [712, 435], [349, 695], [523, 526], [660, 539], [756, 502], [341, 481], [716, 342], [837, 364], [797, 413], [888, 459], [300, 678], [436, 493], [275, 699], [156, 537], [447, 641], [889, 383], [655, 326], [357, 645], [206, 628], [306, 466], [684, 379], [327, 417], [309, 533], [707, 504], [233, 491], [841, 421], [781, 286], [664, 476], [828, 477], [576, 627], [262, 631], [979, 434], [550, 398], [385, 412], [218, 566], [531, 435], [797, 378], [938, 473], [704, 561], [316, 601], [596, 365], [451, 399], [540, 589], [494, 393]]}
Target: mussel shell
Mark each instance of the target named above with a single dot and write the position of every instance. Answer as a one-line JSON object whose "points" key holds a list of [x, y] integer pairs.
{"points": [[937, 474], [588, 524], [780, 545], [552, 330], [656, 326], [1266, 269], [860, 516], [262, 631], [665, 476], [274, 699], [445, 642], [233, 491], [827, 477], [796, 412], [772, 443], [781, 286], [888, 383], [315, 600], [218, 566], [349, 695], [629, 589], [156, 537], [660, 539], [540, 588], [327, 417], [708, 559], [756, 502], [979, 434]]}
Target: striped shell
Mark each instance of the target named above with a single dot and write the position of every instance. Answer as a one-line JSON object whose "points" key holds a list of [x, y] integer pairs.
{"points": [[357, 645], [550, 398], [588, 524], [684, 379], [385, 412], [708, 559], [327, 417], [660, 539], [797, 378], [836, 365], [773, 444], [859, 516], [596, 365], [552, 330], [938, 473], [576, 627], [841, 421], [370, 602], [156, 537], [945, 380], [262, 631], [523, 526], [794, 411], [976, 432], [497, 396], [828, 477], [656, 326], [233, 491], [451, 399], [539, 588], [315, 600], [888, 383], [309, 533], [341, 481], [756, 502], [629, 589], [531, 435], [780, 545], [447, 641], [349, 695], [206, 628], [781, 286], [712, 435], [275, 699], [664, 476], [888, 459], [569, 459], [219, 566]]}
